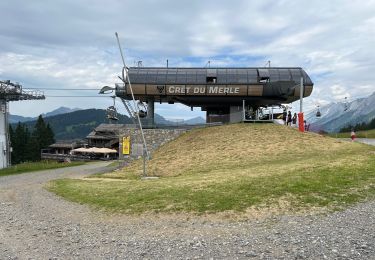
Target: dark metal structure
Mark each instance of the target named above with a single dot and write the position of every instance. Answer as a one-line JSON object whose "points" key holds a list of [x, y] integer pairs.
{"points": [[208, 86], [216, 90], [11, 92]]}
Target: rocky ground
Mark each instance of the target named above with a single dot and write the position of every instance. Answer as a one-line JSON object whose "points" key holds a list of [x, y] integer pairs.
{"points": [[35, 224]]}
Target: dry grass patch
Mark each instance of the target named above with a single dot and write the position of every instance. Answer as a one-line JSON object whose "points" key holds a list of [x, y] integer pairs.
{"points": [[235, 168], [234, 146]]}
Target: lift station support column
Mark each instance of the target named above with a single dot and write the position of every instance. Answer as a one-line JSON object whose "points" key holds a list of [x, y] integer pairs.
{"points": [[150, 118]]}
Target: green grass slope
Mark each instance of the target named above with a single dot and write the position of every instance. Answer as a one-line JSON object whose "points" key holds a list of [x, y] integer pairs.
{"points": [[359, 134], [236, 168], [35, 166]]}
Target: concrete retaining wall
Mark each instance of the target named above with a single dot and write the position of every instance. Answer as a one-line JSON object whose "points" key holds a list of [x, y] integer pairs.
{"points": [[154, 139]]}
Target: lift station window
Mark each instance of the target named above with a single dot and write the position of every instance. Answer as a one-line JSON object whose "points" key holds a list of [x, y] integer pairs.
{"points": [[264, 75], [211, 79]]}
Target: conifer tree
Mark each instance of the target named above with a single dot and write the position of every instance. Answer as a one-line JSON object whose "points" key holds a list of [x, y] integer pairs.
{"points": [[20, 142], [42, 137], [27, 146], [50, 136]]}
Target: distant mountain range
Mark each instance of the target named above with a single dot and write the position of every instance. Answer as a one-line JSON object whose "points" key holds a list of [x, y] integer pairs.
{"points": [[61, 110], [335, 116], [58, 111], [77, 123], [193, 121], [15, 119]]}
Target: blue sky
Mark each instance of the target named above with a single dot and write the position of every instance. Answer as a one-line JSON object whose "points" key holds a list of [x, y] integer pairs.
{"points": [[71, 44]]}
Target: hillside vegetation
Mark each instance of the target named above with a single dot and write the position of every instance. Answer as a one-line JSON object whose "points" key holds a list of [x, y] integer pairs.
{"points": [[359, 134], [236, 168], [78, 124]]}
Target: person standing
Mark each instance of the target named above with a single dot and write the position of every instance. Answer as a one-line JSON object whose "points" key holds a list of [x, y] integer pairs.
{"points": [[352, 135], [294, 119], [307, 126], [289, 119], [284, 116]]}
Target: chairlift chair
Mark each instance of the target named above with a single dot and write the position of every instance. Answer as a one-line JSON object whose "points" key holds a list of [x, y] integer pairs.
{"points": [[112, 111], [142, 110], [318, 114]]}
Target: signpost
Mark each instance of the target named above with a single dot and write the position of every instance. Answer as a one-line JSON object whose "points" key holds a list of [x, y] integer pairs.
{"points": [[126, 145]]}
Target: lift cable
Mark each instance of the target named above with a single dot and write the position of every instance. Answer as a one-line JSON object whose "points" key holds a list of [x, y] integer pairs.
{"points": [[85, 89], [76, 96]]}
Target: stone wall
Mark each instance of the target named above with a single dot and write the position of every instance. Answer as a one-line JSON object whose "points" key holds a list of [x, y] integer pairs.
{"points": [[154, 139]]}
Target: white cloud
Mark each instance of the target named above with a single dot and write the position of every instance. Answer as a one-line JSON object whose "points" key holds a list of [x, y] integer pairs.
{"points": [[339, 92], [71, 44]]}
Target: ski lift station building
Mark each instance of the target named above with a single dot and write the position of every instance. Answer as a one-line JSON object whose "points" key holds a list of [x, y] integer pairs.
{"points": [[224, 93]]}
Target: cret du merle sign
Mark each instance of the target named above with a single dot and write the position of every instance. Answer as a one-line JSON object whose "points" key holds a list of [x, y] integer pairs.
{"points": [[202, 90]]}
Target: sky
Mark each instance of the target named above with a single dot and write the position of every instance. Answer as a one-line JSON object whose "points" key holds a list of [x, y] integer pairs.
{"points": [[71, 45]]}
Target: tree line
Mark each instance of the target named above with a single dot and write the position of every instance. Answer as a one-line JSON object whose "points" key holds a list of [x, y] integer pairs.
{"points": [[27, 144], [359, 126]]}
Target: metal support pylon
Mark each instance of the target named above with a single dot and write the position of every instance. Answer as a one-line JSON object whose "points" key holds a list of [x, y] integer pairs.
{"points": [[10, 91]]}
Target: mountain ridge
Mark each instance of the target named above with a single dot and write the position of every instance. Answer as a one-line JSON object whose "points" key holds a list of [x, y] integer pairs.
{"points": [[58, 111], [78, 124], [335, 116]]}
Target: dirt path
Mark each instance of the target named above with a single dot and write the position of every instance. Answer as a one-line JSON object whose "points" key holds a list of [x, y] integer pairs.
{"points": [[35, 224]]}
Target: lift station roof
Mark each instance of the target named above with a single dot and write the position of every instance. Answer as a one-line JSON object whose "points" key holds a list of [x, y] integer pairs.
{"points": [[207, 87]]}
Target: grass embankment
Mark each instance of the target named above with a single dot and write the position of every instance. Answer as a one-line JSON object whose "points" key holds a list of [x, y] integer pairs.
{"points": [[35, 166], [235, 168], [359, 134]]}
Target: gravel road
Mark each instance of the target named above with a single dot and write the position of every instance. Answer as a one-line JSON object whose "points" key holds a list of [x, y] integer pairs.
{"points": [[370, 141], [35, 224]]}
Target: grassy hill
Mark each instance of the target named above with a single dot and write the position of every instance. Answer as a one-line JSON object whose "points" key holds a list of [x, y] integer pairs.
{"points": [[236, 168]]}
